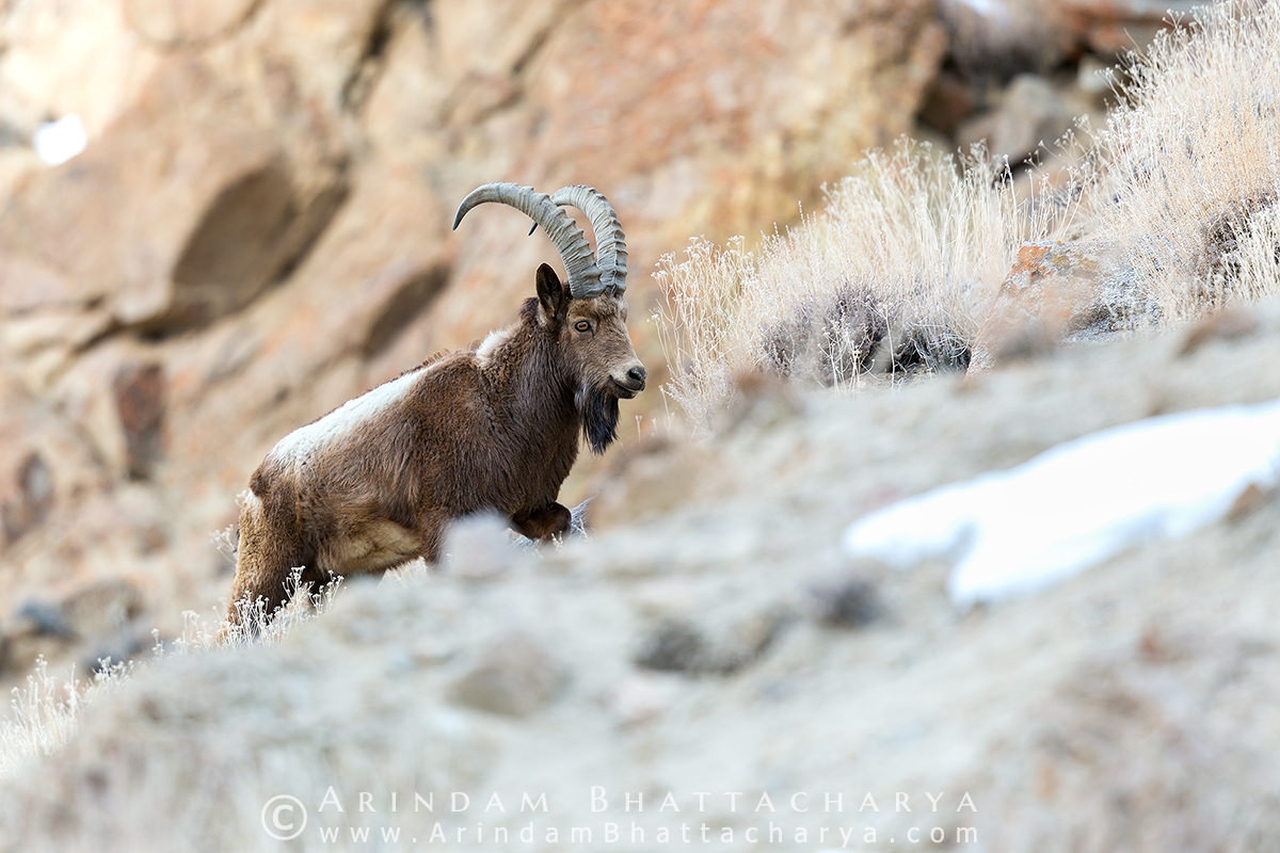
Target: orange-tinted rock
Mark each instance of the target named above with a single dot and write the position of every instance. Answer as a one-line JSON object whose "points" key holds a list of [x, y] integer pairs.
{"points": [[1056, 291]]}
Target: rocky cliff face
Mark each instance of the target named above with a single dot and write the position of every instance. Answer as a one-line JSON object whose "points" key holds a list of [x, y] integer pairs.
{"points": [[258, 227]]}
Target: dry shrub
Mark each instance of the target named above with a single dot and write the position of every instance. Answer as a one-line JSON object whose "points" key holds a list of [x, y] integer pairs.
{"points": [[1191, 161], [896, 272], [892, 276]]}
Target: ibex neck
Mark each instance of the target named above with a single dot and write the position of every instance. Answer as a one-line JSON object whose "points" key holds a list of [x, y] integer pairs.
{"points": [[524, 372]]}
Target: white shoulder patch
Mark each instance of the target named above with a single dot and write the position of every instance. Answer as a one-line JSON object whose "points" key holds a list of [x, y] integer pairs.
{"points": [[304, 441], [490, 344]]}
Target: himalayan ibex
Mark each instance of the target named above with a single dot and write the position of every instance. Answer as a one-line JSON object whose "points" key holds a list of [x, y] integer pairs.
{"points": [[373, 483]]}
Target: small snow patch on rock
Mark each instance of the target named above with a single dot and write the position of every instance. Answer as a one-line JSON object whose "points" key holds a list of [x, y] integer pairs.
{"points": [[56, 142]]}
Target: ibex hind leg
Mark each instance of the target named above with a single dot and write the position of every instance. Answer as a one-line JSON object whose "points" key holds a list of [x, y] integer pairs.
{"points": [[264, 562]]}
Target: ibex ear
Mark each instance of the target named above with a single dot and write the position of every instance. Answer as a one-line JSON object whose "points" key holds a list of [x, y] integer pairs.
{"points": [[550, 291]]}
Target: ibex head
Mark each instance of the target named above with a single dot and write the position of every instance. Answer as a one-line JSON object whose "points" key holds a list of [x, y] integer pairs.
{"points": [[586, 316]]}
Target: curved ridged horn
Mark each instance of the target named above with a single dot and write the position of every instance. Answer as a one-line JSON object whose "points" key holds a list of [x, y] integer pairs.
{"points": [[566, 236], [611, 242]]}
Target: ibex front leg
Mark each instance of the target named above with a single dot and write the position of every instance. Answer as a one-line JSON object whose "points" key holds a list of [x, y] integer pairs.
{"points": [[544, 523]]}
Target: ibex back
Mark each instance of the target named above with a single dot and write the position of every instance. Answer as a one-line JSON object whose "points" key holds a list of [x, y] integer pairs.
{"points": [[373, 483]]}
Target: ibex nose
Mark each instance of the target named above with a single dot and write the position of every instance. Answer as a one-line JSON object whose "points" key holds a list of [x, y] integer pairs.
{"points": [[629, 384]]}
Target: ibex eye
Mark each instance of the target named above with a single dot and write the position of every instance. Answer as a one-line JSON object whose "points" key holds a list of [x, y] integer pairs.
{"points": [[582, 326]]}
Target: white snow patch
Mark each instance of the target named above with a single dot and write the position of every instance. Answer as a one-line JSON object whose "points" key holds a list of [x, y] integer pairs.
{"points": [[1077, 504], [305, 441], [56, 142]]}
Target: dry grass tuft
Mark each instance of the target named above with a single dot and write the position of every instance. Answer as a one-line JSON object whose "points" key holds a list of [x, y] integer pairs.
{"points": [[43, 715], [46, 712], [302, 602], [1190, 163], [890, 277]]}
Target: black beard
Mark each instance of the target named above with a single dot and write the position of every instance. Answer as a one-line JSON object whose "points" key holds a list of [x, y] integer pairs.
{"points": [[599, 411]]}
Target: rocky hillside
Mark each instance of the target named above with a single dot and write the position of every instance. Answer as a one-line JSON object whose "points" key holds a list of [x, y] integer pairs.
{"points": [[714, 667], [257, 229]]}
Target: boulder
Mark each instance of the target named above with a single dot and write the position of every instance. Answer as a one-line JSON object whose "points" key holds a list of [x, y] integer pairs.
{"points": [[1057, 291], [710, 641], [1027, 118]]}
